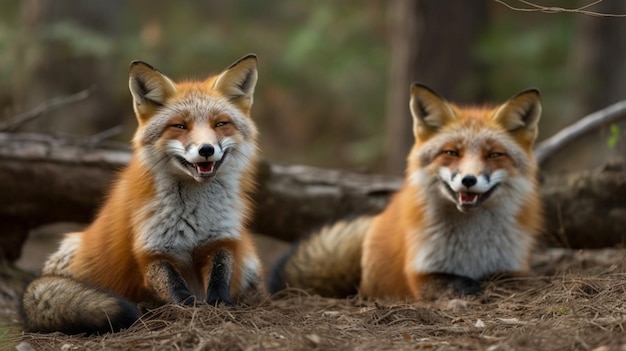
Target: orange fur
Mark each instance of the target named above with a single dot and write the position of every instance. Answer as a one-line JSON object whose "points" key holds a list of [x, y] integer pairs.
{"points": [[469, 208], [174, 224]]}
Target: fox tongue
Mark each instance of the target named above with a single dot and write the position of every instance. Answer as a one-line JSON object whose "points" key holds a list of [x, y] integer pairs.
{"points": [[468, 198], [205, 167]]}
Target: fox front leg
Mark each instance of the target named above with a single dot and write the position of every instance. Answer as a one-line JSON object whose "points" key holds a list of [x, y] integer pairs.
{"points": [[168, 283], [220, 278]]}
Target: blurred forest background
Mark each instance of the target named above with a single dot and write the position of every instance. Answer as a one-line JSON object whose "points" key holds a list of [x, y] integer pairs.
{"points": [[334, 75]]}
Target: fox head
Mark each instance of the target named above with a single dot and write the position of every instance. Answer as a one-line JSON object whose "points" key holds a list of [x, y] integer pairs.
{"points": [[192, 129], [473, 156]]}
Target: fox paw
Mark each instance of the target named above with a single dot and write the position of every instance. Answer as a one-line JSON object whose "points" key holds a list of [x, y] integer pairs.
{"points": [[436, 285]]}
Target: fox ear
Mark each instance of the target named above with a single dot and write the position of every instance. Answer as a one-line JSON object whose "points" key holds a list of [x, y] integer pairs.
{"points": [[237, 82], [149, 88], [520, 115], [430, 112]]}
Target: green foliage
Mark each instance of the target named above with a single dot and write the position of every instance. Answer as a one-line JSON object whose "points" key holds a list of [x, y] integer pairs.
{"points": [[614, 136], [523, 54], [323, 65], [320, 62], [77, 40], [9, 336], [560, 310]]}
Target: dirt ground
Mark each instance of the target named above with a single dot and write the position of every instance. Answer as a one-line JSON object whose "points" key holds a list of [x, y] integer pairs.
{"points": [[575, 300]]}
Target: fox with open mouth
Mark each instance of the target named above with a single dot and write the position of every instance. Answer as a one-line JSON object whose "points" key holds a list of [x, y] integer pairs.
{"points": [[174, 226], [469, 209]]}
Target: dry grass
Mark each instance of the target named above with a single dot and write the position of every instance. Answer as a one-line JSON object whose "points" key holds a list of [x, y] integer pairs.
{"points": [[576, 302]]}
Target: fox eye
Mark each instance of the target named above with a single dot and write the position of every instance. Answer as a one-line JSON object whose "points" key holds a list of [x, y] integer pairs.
{"points": [[220, 124], [179, 126], [494, 154], [452, 153]]}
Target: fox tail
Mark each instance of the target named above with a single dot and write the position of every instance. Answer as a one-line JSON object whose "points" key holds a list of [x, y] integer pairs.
{"points": [[57, 303], [327, 263]]}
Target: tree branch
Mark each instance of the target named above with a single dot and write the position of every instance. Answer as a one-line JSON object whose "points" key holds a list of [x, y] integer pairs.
{"points": [[554, 9], [611, 114], [19, 120]]}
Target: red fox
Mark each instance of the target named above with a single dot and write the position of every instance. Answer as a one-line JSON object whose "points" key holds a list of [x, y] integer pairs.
{"points": [[173, 228], [469, 209]]}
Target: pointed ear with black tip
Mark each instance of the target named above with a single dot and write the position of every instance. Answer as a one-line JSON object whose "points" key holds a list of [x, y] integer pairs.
{"points": [[430, 112], [150, 89], [237, 82], [520, 115]]}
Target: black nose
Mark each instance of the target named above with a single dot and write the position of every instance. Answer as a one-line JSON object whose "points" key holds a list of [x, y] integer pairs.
{"points": [[206, 150], [469, 181]]}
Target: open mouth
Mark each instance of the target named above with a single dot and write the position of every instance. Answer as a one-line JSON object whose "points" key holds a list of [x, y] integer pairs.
{"points": [[468, 200], [202, 169], [206, 169]]}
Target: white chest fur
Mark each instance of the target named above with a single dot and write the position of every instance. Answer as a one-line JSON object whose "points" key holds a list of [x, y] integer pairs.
{"points": [[185, 215], [474, 245]]}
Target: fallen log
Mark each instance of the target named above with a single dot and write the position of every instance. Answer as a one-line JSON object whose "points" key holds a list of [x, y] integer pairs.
{"points": [[46, 179], [586, 209]]}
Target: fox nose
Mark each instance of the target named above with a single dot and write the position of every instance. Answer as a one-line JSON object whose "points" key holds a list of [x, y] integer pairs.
{"points": [[206, 150], [469, 181]]}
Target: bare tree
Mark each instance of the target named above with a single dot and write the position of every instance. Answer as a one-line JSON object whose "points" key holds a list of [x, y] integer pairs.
{"points": [[601, 58], [430, 43]]}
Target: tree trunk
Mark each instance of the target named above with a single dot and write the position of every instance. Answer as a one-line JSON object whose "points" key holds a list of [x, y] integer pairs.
{"points": [[431, 42], [600, 57], [404, 38]]}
